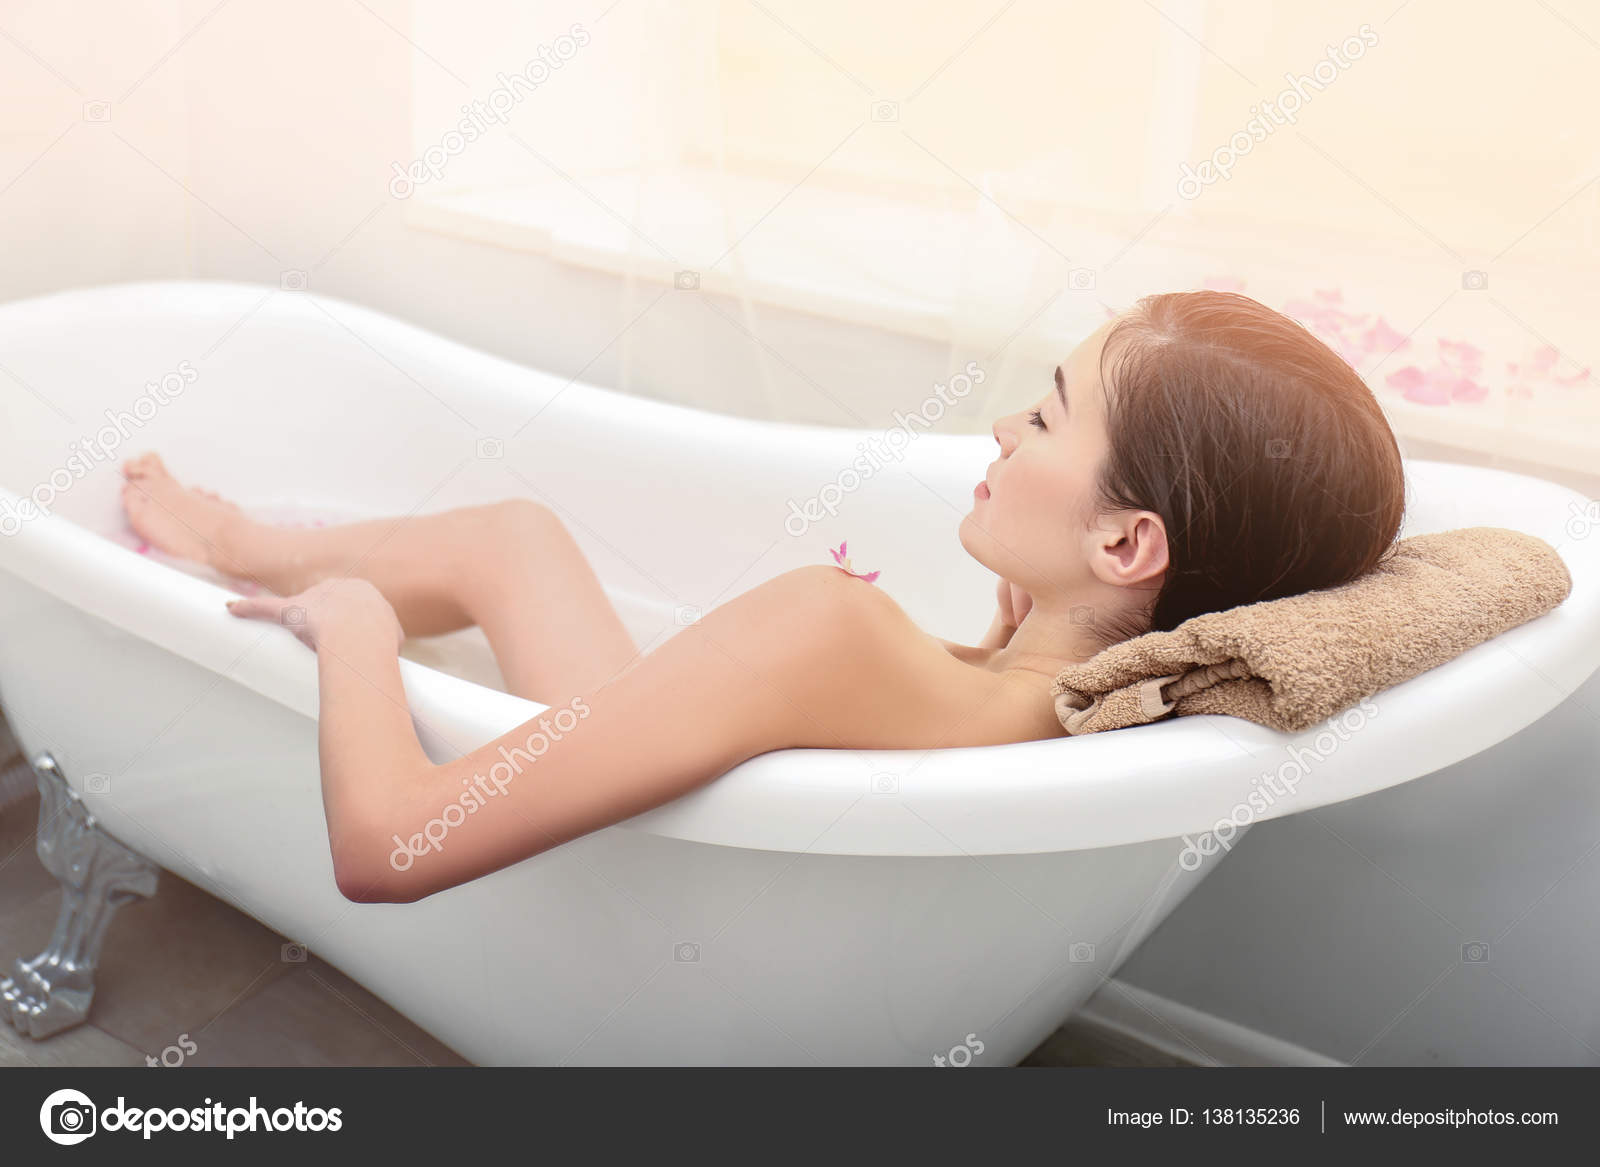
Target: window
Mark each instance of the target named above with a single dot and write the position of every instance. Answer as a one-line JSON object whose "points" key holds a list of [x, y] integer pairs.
{"points": [[1421, 187]]}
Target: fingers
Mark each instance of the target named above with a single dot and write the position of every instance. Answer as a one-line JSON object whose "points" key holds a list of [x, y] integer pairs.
{"points": [[1003, 598], [257, 607], [1021, 603]]}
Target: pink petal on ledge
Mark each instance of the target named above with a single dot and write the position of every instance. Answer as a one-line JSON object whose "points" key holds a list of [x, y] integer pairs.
{"points": [[1430, 388], [1465, 354], [1466, 389], [1381, 336], [1545, 358], [838, 554]]}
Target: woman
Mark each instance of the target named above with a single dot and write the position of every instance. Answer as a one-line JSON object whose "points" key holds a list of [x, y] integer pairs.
{"points": [[1197, 453]]}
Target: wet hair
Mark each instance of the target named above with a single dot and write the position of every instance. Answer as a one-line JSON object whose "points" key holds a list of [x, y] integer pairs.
{"points": [[1265, 454]]}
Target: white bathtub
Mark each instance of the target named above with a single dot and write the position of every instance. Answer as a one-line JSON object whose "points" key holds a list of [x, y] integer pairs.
{"points": [[811, 906]]}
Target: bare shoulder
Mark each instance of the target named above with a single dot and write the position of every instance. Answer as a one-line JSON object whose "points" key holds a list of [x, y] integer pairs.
{"points": [[871, 678]]}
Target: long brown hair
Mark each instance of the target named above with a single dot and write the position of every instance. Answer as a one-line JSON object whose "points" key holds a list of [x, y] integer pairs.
{"points": [[1264, 453]]}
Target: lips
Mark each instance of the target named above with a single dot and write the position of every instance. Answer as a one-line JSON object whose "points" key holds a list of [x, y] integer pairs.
{"points": [[982, 489]]}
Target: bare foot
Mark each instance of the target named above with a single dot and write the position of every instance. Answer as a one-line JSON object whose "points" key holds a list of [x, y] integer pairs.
{"points": [[182, 521]]}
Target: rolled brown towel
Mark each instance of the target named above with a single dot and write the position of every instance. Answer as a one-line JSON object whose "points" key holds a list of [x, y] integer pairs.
{"points": [[1292, 662]]}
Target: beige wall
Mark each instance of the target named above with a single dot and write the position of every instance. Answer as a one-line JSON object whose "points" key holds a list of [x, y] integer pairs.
{"points": [[244, 140]]}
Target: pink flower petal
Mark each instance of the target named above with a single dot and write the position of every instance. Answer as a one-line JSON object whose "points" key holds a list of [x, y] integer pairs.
{"points": [[1409, 377], [1382, 337], [1466, 389], [1433, 388], [843, 561], [1462, 353]]}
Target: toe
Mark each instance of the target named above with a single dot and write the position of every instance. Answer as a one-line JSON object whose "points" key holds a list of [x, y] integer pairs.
{"points": [[145, 466]]}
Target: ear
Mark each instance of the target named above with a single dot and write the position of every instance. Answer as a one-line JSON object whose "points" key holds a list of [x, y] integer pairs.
{"points": [[1130, 549]]}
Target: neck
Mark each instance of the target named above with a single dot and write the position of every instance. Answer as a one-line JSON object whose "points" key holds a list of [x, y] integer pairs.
{"points": [[1054, 635]]}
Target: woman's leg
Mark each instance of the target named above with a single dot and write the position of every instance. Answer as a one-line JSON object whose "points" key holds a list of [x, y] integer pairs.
{"points": [[510, 567]]}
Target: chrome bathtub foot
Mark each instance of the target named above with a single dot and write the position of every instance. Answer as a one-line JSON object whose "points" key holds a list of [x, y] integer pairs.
{"points": [[52, 992]]}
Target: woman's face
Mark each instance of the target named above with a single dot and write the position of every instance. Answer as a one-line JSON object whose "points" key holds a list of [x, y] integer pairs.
{"points": [[1030, 517]]}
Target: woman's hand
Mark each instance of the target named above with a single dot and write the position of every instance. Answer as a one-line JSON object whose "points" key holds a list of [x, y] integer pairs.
{"points": [[1015, 603], [343, 604]]}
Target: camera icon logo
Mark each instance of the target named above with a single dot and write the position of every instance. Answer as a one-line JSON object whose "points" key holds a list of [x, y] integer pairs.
{"points": [[97, 111], [1584, 519], [293, 280], [490, 448], [294, 616], [293, 953], [685, 952], [686, 614], [1474, 281], [686, 281], [67, 1117], [97, 783], [1081, 953], [885, 783], [1081, 279], [1277, 447], [1475, 952], [885, 111], [1082, 614]]}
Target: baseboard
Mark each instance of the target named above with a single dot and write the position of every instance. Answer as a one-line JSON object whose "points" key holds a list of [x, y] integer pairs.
{"points": [[1172, 1033]]}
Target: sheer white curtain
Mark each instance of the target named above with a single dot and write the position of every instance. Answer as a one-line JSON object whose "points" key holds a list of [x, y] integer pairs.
{"points": [[1418, 184]]}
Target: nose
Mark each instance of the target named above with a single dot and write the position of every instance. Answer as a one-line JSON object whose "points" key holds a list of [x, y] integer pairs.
{"points": [[1005, 433]]}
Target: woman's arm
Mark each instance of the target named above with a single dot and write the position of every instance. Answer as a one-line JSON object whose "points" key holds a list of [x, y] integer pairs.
{"points": [[811, 658]]}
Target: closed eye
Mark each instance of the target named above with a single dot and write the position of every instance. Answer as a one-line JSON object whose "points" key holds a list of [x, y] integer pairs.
{"points": [[1036, 418]]}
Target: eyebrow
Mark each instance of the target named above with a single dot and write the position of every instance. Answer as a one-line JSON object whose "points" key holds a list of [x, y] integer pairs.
{"points": [[1061, 388]]}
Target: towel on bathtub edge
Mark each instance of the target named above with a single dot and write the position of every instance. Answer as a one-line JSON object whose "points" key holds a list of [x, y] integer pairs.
{"points": [[1292, 662]]}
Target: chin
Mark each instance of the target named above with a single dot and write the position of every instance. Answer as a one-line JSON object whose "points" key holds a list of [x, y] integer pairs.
{"points": [[973, 539]]}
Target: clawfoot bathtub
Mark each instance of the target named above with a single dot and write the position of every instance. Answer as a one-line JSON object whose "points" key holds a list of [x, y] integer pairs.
{"points": [[948, 906]]}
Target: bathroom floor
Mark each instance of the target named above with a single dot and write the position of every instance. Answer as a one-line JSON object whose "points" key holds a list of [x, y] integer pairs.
{"points": [[187, 979]]}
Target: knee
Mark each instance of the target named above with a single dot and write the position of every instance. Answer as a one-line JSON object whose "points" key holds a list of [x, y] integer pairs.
{"points": [[520, 522], [520, 514]]}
